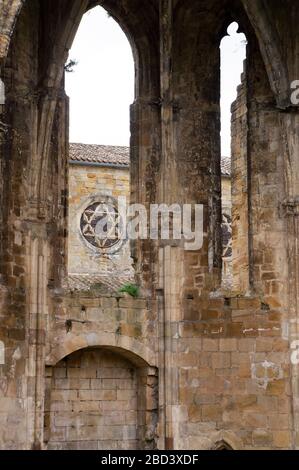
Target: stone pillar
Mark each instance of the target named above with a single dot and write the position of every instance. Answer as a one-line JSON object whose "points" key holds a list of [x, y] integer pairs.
{"points": [[170, 280], [145, 169], [32, 217], [266, 187], [290, 213], [240, 194], [291, 209], [273, 180], [190, 174], [46, 255], [19, 76], [47, 405], [147, 407], [37, 250], [3, 132]]}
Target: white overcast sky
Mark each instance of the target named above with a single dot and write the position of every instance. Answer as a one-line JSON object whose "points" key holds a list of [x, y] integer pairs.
{"points": [[101, 88]]}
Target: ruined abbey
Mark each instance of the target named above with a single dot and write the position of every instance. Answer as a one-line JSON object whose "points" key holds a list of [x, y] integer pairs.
{"points": [[189, 361]]}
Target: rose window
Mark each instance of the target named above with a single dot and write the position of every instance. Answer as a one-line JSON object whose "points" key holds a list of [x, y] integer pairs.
{"points": [[101, 225]]}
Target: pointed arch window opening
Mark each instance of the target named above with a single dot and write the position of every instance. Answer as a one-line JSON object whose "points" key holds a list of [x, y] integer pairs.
{"points": [[100, 82], [233, 50]]}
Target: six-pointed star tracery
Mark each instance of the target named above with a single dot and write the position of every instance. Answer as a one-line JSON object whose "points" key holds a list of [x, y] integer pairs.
{"points": [[101, 225], [226, 236]]}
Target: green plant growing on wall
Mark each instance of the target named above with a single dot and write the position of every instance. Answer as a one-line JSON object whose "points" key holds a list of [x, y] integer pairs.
{"points": [[130, 289]]}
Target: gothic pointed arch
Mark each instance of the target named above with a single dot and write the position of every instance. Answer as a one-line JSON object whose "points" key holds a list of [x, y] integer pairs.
{"points": [[271, 50], [9, 13]]}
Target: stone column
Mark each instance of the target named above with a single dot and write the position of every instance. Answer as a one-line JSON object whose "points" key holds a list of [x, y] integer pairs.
{"points": [[240, 190], [190, 174], [291, 209], [145, 169], [19, 75], [37, 250], [147, 407], [290, 213], [170, 279], [46, 255], [266, 187]]}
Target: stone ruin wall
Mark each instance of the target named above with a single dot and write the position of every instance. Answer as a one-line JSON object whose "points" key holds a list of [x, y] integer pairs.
{"points": [[222, 362]]}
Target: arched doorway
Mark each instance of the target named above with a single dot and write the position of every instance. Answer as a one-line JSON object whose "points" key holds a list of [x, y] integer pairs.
{"points": [[98, 399]]}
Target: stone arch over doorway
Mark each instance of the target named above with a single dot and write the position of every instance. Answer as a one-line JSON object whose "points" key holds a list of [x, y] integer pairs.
{"points": [[132, 349], [98, 398]]}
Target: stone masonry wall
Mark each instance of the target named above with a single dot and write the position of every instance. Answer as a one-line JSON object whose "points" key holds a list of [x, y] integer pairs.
{"points": [[240, 226], [88, 184], [209, 367], [93, 402]]}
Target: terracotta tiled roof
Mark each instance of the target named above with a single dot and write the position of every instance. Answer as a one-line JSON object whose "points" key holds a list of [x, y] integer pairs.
{"points": [[100, 154], [119, 156], [225, 166]]}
